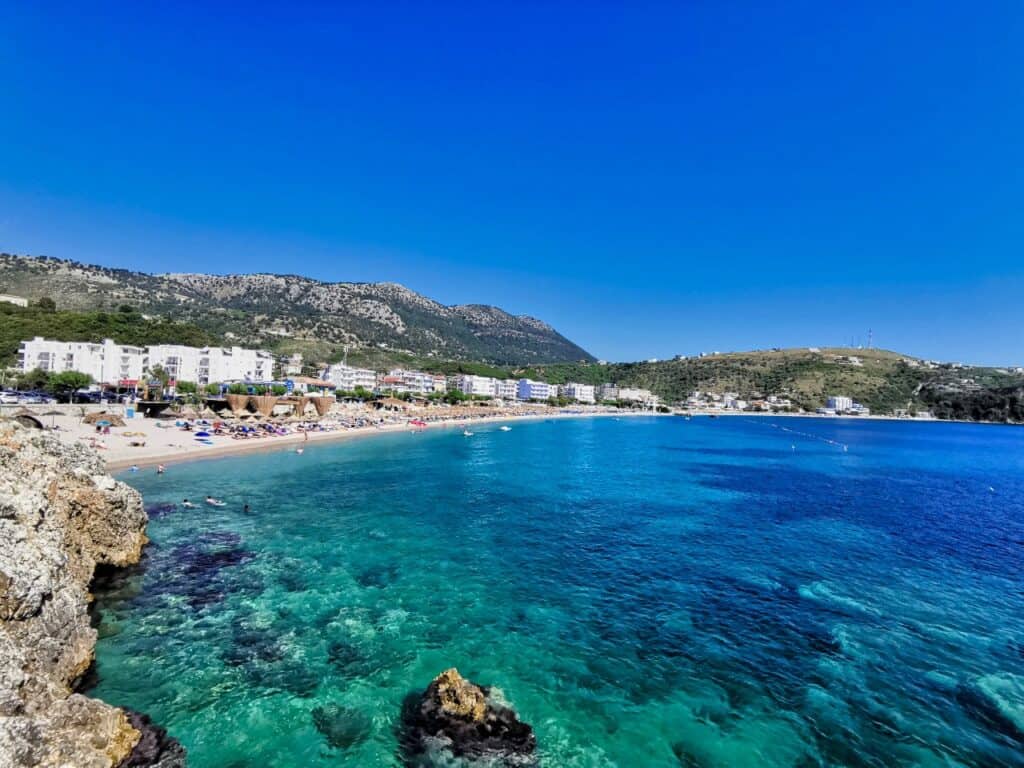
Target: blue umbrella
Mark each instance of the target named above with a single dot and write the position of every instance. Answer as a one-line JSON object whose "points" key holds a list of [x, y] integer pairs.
{"points": [[202, 434]]}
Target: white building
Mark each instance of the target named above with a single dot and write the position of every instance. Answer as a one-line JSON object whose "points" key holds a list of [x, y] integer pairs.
{"points": [[528, 389], [120, 365], [506, 389], [583, 393], [839, 403], [180, 362], [106, 362], [348, 379], [477, 385], [212, 365], [608, 392], [16, 300], [399, 380], [292, 365], [635, 395]]}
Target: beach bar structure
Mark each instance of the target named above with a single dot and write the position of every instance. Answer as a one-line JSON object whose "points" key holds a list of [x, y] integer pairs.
{"points": [[323, 404], [237, 403]]}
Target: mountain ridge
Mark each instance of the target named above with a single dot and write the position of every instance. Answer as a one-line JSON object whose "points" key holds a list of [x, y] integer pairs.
{"points": [[266, 309]]}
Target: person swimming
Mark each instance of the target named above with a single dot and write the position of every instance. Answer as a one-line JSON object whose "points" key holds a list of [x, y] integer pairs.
{"points": [[214, 502], [187, 504], [159, 469]]}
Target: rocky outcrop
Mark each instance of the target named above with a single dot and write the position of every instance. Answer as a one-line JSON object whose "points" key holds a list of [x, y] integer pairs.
{"points": [[457, 716], [61, 515]]}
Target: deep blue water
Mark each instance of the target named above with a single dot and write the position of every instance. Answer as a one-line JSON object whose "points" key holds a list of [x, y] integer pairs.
{"points": [[645, 592]]}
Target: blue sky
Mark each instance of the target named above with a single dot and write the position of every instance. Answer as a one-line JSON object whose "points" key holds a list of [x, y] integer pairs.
{"points": [[650, 178]]}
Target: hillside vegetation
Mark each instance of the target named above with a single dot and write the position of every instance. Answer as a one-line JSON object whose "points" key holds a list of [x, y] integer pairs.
{"points": [[290, 313], [126, 326], [882, 380]]}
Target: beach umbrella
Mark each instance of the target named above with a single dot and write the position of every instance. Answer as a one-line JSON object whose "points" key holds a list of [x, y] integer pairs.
{"points": [[202, 434]]}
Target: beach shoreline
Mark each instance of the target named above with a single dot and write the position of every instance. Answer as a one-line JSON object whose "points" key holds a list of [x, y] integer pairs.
{"points": [[176, 455], [169, 445]]}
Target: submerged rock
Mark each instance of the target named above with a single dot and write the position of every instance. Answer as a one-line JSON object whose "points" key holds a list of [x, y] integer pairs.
{"points": [[342, 727], [455, 715], [61, 515]]}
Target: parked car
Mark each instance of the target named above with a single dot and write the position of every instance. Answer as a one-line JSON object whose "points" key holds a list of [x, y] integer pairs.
{"points": [[9, 398]]}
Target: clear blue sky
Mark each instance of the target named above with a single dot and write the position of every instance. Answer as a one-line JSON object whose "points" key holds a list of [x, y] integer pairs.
{"points": [[657, 179]]}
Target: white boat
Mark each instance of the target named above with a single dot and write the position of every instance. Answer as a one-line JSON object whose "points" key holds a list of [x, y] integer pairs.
{"points": [[467, 433], [504, 428]]}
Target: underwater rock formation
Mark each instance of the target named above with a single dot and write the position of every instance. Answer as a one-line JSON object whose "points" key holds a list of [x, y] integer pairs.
{"points": [[61, 515], [455, 715]]}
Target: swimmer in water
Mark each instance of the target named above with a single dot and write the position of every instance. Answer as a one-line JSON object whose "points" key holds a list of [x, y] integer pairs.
{"points": [[188, 504]]}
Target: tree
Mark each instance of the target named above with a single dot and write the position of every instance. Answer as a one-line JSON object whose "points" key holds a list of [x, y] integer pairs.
{"points": [[186, 387], [37, 378], [278, 389], [65, 384], [238, 389], [213, 389], [157, 372], [47, 304]]}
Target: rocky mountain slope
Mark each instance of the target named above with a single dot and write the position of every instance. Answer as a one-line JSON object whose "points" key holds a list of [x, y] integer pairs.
{"points": [[269, 310], [61, 516]]}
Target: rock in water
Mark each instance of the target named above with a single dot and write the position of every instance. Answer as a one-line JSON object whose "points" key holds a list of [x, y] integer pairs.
{"points": [[456, 715], [342, 727], [155, 748], [61, 515]]}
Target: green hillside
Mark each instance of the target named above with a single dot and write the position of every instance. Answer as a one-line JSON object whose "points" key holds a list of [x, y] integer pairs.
{"points": [[882, 380], [125, 326]]}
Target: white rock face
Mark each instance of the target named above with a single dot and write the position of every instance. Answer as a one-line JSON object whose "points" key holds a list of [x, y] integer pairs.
{"points": [[60, 516]]}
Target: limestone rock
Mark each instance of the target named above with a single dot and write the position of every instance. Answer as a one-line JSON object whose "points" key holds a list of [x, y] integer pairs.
{"points": [[457, 716], [60, 516]]}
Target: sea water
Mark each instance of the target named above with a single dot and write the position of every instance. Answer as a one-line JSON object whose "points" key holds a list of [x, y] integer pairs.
{"points": [[644, 592]]}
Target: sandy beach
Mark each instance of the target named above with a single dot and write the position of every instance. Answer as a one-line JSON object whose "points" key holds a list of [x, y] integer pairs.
{"points": [[149, 442]]}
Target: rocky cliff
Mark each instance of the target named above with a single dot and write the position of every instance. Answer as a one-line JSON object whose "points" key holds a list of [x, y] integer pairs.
{"points": [[60, 517]]}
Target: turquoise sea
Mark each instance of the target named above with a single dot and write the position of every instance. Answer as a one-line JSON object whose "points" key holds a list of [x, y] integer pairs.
{"points": [[644, 592]]}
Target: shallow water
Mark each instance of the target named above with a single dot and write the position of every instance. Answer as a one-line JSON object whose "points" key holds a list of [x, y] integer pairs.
{"points": [[645, 592]]}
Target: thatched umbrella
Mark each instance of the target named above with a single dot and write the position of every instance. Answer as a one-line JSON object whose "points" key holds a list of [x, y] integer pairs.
{"points": [[264, 404], [237, 403], [51, 414], [299, 406], [112, 418], [323, 404]]}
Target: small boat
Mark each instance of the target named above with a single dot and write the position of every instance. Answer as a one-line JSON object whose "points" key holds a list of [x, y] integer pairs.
{"points": [[467, 433], [505, 428], [299, 451]]}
